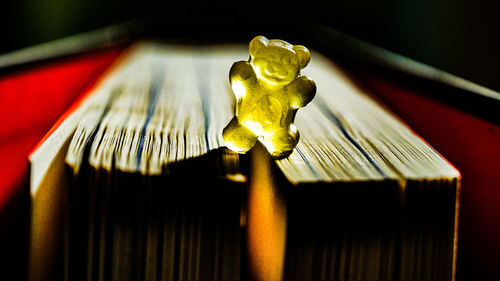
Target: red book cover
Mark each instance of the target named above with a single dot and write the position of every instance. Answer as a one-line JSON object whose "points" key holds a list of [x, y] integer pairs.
{"points": [[31, 100]]}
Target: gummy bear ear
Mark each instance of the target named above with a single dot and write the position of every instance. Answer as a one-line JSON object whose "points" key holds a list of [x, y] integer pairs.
{"points": [[257, 43], [303, 55]]}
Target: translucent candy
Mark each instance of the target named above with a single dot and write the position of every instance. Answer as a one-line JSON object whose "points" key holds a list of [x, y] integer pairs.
{"points": [[269, 91]]}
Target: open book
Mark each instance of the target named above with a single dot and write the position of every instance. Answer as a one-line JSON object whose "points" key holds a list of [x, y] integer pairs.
{"points": [[135, 183]]}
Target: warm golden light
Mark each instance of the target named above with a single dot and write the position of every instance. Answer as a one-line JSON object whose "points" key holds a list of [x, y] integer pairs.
{"points": [[266, 224]]}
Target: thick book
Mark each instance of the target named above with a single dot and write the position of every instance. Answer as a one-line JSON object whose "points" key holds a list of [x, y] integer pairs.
{"points": [[134, 182]]}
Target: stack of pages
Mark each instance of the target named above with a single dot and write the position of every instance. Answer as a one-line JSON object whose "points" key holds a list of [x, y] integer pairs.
{"points": [[135, 183]]}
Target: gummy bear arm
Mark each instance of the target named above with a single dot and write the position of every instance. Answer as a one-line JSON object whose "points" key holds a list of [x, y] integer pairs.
{"points": [[302, 91], [242, 71]]}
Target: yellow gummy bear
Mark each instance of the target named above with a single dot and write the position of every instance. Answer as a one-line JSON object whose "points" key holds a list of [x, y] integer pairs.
{"points": [[268, 90]]}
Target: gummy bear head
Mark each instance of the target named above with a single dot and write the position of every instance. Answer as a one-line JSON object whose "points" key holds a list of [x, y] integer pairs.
{"points": [[277, 61]]}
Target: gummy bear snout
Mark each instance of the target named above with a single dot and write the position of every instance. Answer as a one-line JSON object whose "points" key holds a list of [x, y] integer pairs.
{"points": [[276, 70]]}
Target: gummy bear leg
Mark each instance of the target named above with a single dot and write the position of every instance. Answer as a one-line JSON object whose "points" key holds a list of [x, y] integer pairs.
{"points": [[237, 137], [282, 143]]}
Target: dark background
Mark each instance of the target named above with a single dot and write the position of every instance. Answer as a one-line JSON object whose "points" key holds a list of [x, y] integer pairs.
{"points": [[459, 36]]}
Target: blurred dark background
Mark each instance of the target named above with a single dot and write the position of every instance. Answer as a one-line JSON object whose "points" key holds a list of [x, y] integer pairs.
{"points": [[458, 36]]}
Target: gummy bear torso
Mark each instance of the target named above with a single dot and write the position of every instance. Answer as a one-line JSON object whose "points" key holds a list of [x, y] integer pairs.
{"points": [[267, 111]]}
